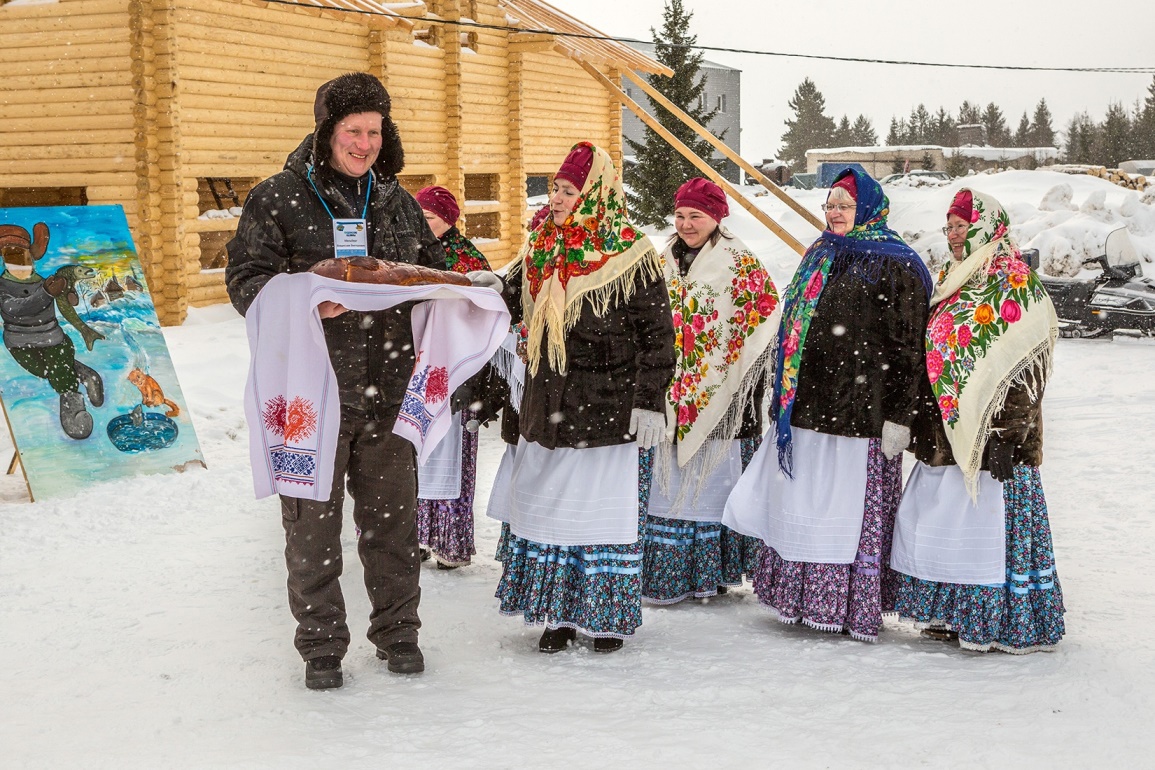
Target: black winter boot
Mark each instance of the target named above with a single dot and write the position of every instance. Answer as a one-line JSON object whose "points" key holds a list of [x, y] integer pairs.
{"points": [[607, 644], [323, 673], [403, 657], [93, 384], [555, 640], [74, 418]]}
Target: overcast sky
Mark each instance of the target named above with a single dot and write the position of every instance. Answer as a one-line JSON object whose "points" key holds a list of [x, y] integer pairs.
{"points": [[1060, 33]]}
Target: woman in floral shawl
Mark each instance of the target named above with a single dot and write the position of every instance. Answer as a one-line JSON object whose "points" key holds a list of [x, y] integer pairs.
{"points": [[724, 307], [972, 543], [823, 495], [447, 482], [600, 350]]}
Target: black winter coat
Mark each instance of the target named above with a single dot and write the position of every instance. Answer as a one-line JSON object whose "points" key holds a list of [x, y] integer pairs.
{"points": [[284, 228], [621, 361], [862, 359]]}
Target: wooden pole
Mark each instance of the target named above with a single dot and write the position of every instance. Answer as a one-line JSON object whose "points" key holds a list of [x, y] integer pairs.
{"points": [[721, 147], [16, 449], [702, 165]]}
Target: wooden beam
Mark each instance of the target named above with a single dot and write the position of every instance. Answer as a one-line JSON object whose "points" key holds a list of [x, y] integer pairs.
{"points": [[721, 147], [686, 152]]}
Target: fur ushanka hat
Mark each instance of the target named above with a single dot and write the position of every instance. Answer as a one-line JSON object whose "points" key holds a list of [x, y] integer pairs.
{"points": [[348, 95]]}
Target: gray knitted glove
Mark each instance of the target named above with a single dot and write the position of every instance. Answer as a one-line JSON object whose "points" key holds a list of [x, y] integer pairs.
{"points": [[649, 427], [895, 438], [485, 279]]}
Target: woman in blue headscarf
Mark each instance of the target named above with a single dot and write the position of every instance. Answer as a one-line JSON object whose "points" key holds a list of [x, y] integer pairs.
{"points": [[823, 495]]}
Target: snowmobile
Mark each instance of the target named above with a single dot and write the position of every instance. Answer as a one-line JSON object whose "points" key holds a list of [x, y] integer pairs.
{"points": [[1119, 299]]}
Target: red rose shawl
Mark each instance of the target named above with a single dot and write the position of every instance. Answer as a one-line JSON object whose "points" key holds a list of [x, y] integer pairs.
{"points": [[725, 323], [994, 326], [595, 255]]}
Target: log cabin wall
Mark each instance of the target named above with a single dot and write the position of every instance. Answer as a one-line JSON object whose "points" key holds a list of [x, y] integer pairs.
{"points": [[153, 104]]}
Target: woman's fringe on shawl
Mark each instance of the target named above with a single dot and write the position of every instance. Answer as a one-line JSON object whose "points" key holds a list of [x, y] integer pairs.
{"points": [[554, 325], [716, 449], [505, 361], [1032, 371]]}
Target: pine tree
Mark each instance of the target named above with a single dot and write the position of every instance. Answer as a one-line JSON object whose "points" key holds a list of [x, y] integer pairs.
{"points": [[811, 127], [1145, 125], [862, 132], [1114, 137], [920, 125], [1080, 139], [660, 170], [895, 135], [843, 137], [944, 130], [998, 135], [1042, 132], [1023, 133], [969, 114]]}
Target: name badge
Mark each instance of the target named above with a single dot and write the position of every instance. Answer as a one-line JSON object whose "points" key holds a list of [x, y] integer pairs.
{"points": [[350, 238]]}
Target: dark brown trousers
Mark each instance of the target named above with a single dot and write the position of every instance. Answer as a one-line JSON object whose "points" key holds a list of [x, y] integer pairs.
{"points": [[379, 468]]}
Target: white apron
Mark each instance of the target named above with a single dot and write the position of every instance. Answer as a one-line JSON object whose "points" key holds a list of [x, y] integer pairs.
{"points": [[439, 477], [711, 496], [941, 535], [499, 497], [575, 496], [815, 517]]}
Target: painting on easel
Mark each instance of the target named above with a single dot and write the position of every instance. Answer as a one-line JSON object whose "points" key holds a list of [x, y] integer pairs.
{"points": [[86, 380]]}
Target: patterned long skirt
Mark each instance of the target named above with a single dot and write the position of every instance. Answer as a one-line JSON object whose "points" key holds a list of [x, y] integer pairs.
{"points": [[1023, 615], [842, 597], [686, 558], [595, 589], [446, 526]]}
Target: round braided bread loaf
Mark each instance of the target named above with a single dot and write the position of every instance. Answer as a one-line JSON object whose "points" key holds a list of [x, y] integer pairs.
{"points": [[370, 270]]}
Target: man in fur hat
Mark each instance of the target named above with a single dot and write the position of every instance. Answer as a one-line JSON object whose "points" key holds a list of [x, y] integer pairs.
{"points": [[343, 177]]}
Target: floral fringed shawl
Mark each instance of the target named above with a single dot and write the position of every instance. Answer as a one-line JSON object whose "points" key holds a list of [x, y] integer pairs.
{"points": [[994, 326], [461, 256], [595, 255], [864, 250]]}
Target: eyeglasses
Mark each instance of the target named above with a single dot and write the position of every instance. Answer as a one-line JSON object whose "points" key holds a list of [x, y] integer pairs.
{"points": [[955, 229], [839, 206]]}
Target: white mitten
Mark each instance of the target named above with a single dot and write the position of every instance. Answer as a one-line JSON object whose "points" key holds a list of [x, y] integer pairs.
{"points": [[485, 279], [649, 427], [895, 438]]}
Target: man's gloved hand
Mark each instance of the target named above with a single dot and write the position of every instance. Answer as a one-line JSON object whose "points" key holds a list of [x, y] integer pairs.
{"points": [[485, 279], [895, 438], [55, 285], [649, 427], [1001, 458]]}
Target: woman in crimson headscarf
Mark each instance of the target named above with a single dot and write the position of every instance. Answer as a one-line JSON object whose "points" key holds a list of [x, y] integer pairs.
{"points": [[724, 306], [600, 350], [823, 495], [972, 543]]}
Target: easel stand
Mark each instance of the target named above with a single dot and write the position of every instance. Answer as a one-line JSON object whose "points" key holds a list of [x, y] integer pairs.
{"points": [[15, 453]]}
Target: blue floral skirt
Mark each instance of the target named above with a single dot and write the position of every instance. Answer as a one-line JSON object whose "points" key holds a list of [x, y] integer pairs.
{"points": [[1023, 615], [686, 558], [595, 589]]}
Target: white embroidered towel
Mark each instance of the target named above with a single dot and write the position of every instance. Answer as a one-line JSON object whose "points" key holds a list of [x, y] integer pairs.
{"points": [[291, 400], [439, 477]]}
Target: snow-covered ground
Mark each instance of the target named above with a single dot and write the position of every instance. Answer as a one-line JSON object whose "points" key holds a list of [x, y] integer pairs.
{"points": [[146, 622]]}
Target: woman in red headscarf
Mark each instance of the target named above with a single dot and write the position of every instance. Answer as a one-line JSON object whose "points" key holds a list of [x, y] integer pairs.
{"points": [[724, 306], [972, 541], [447, 481], [599, 345]]}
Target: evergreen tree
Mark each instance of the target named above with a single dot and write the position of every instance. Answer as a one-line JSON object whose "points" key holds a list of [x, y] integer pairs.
{"points": [[811, 127], [843, 135], [1145, 126], [862, 132], [998, 135], [1023, 133], [1112, 143], [1042, 132], [895, 134], [944, 130], [660, 170], [969, 114], [920, 125], [1080, 139]]}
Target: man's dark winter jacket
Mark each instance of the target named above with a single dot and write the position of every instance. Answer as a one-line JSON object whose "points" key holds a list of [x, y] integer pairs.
{"points": [[284, 228], [862, 359], [621, 361]]}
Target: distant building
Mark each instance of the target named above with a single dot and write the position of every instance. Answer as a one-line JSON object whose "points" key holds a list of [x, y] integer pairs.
{"points": [[723, 92], [957, 161]]}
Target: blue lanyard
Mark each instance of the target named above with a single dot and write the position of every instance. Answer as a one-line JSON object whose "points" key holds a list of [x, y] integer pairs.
{"points": [[368, 190]]}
